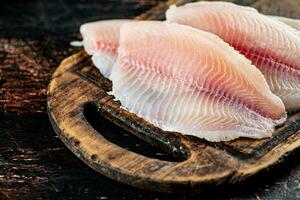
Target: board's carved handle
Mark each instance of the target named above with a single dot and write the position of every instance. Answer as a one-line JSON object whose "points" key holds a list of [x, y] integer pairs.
{"points": [[172, 143], [68, 119]]}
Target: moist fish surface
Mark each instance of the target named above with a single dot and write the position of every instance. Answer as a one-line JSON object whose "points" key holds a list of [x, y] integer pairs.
{"points": [[272, 46], [294, 23], [190, 81], [101, 40]]}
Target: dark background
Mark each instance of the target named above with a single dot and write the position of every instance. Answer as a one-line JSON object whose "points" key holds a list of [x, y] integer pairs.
{"points": [[34, 37]]}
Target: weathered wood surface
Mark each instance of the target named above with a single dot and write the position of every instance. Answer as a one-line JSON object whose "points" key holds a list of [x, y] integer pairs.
{"points": [[76, 84], [34, 162]]}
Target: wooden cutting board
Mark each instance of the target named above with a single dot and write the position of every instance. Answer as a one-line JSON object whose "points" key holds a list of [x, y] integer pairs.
{"points": [[77, 87]]}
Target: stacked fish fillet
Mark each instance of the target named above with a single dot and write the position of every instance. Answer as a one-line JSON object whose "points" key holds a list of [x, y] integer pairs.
{"points": [[214, 70]]}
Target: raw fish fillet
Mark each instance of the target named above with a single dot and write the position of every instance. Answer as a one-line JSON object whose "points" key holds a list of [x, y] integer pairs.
{"points": [[294, 23], [272, 46], [190, 81], [101, 40]]}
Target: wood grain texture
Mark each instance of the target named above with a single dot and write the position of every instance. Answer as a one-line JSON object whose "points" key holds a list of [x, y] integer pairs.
{"points": [[74, 86]]}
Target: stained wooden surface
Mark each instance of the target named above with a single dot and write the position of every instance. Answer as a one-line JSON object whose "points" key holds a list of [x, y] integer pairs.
{"points": [[76, 85], [34, 162]]}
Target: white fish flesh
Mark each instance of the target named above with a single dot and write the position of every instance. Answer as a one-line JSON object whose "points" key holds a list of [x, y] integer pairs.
{"points": [[272, 46], [101, 40], [190, 81]]}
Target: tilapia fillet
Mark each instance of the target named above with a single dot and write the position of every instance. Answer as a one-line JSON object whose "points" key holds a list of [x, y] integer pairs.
{"points": [[294, 23], [190, 81], [271, 45], [101, 40]]}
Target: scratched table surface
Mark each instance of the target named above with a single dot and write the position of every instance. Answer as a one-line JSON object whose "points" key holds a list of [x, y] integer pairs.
{"points": [[34, 164]]}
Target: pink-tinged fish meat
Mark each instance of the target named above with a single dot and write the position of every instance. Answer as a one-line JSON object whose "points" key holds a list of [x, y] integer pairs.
{"points": [[101, 40], [272, 46], [190, 81]]}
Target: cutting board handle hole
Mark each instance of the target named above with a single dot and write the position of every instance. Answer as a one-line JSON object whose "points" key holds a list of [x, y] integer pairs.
{"points": [[123, 138]]}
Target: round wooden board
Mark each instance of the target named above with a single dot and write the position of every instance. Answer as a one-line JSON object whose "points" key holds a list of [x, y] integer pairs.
{"points": [[76, 84]]}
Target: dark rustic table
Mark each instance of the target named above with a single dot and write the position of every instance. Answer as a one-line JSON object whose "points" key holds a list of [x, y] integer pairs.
{"points": [[34, 164]]}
